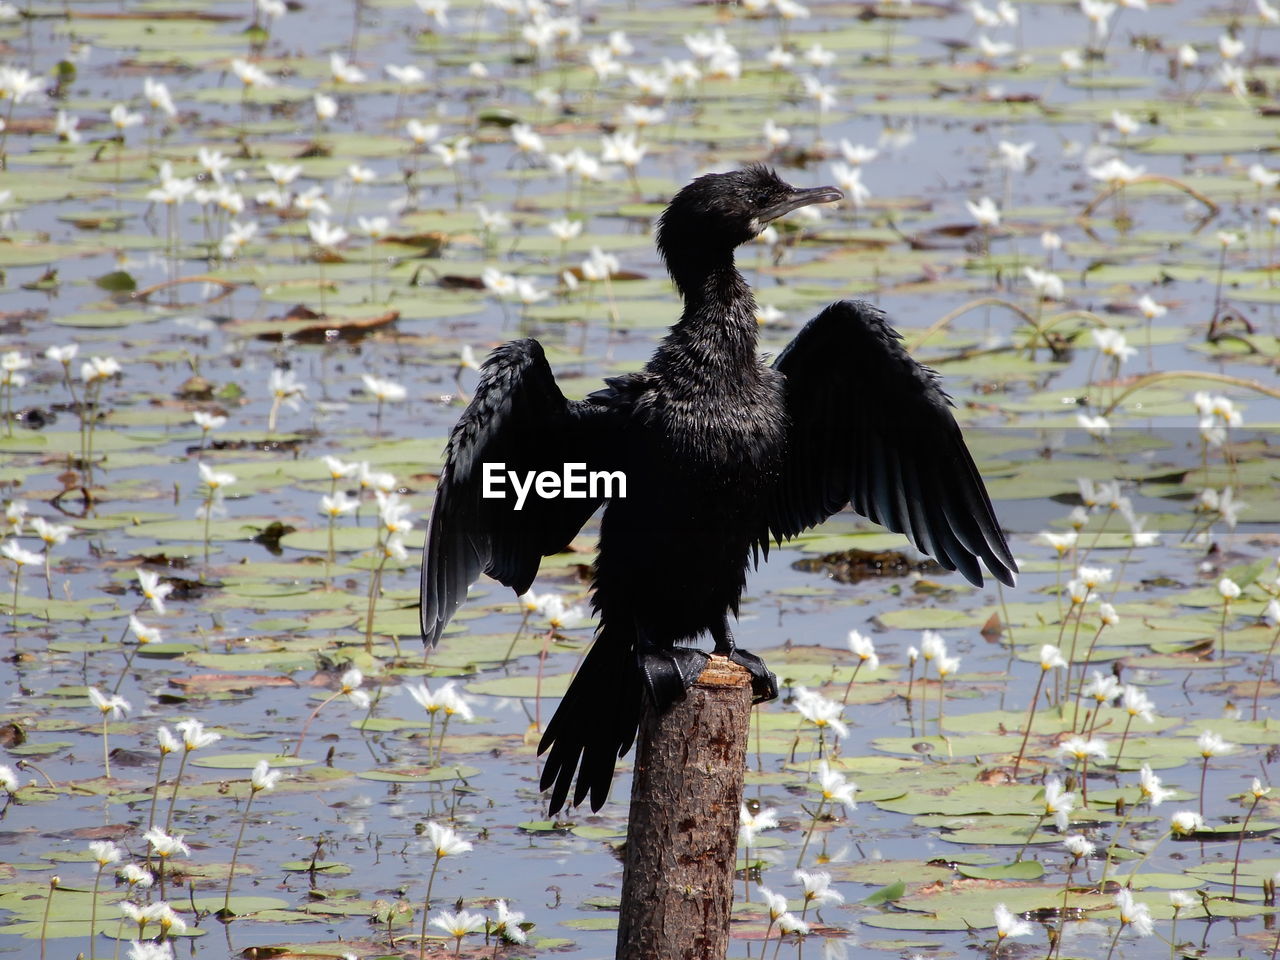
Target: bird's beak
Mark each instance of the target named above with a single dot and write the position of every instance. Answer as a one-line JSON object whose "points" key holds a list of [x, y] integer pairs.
{"points": [[801, 198]]}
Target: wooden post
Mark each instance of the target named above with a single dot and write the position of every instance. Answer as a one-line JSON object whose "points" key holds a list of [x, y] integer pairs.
{"points": [[682, 837]]}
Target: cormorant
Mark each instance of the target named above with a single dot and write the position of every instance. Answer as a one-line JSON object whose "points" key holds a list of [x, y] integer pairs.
{"points": [[721, 453]]}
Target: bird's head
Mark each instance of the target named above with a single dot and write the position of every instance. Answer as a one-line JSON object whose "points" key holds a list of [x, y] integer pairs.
{"points": [[719, 211]]}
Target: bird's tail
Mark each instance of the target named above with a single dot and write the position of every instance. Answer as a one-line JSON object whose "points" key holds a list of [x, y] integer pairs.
{"points": [[595, 723]]}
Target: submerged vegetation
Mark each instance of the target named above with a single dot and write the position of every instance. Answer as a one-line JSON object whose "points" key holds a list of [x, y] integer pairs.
{"points": [[250, 256]]}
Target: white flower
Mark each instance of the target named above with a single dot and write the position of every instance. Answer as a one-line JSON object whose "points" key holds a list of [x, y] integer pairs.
{"points": [[19, 555], [1229, 46], [325, 234], [932, 645], [992, 49], [263, 777], [1015, 156], [1050, 241], [622, 147], [285, 386], [8, 779], [122, 119], [459, 924], [849, 179], [344, 71], [444, 841], [17, 84], [144, 633], [641, 116], [116, 706], [750, 824], [1264, 179], [1136, 915], [856, 153], [820, 711], [1097, 12], [1125, 124], [1228, 589], [167, 742], [1186, 822], [1057, 802], [864, 648], [1150, 309], [1097, 426], [195, 736], [1007, 925], [437, 10], [250, 74], [157, 95], [507, 924], [453, 153], [1116, 171], [817, 887], [1061, 542], [1050, 657], [105, 852], [1180, 900], [63, 355], [338, 504], [1071, 60], [790, 923], [165, 845], [326, 107], [1212, 745], [99, 368], [835, 787], [1048, 286], [1078, 846], [776, 903], [214, 480], [1102, 687], [386, 390], [422, 133], [1112, 343], [824, 95], [1149, 785], [1079, 749], [984, 211], [407, 76]]}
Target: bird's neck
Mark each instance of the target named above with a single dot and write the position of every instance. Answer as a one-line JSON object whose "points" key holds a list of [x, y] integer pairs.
{"points": [[718, 328]]}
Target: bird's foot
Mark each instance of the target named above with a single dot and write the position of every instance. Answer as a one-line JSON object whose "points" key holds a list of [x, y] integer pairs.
{"points": [[764, 685], [669, 673]]}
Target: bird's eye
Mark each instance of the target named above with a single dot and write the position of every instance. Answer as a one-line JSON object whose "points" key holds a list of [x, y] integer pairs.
{"points": [[763, 197]]}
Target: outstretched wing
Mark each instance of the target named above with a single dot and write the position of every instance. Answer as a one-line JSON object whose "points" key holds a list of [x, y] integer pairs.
{"points": [[872, 427], [518, 417]]}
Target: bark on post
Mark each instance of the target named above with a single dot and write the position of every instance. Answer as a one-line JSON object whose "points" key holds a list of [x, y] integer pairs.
{"points": [[677, 887]]}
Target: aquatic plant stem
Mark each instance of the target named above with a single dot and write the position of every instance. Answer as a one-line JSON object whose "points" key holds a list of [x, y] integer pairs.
{"points": [[1262, 673], [44, 919], [1115, 940], [1031, 836], [1083, 670], [809, 833], [235, 852], [155, 790], [1235, 862], [106, 754], [426, 909], [177, 783], [302, 734], [93, 914], [1031, 716]]}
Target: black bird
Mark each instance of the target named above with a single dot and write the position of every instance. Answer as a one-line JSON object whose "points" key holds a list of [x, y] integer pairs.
{"points": [[722, 453]]}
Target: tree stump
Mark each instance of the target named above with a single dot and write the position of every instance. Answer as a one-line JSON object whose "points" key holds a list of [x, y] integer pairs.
{"points": [[677, 887]]}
